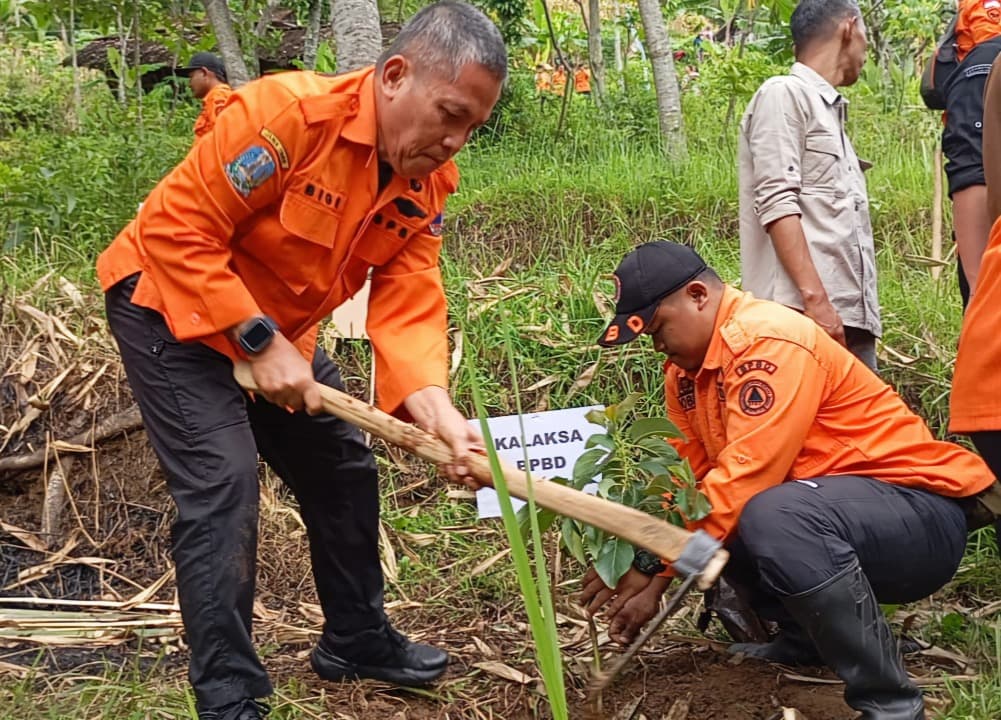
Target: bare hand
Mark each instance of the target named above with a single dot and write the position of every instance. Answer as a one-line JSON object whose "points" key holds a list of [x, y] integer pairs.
{"points": [[285, 378], [434, 412], [637, 611], [824, 314], [596, 593]]}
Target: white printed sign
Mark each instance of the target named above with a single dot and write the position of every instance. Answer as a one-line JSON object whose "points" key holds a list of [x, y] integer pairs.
{"points": [[349, 318], [553, 441]]}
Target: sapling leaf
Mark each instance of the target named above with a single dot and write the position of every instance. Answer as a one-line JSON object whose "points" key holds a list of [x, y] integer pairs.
{"points": [[600, 440], [573, 541], [597, 417], [607, 486], [545, 520], [654, 467], [628, 404], [588, 466], [700, 506], [661, 485], [656, 426], [613, 561]]}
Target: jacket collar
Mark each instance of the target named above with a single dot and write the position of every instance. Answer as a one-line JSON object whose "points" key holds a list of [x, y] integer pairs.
{"points": [[361, 127], [715, 353], [807, 74]]}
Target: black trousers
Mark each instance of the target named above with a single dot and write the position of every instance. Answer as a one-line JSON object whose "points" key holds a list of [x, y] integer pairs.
{"points": [[795, 537], [207, 432], [862, 344]]}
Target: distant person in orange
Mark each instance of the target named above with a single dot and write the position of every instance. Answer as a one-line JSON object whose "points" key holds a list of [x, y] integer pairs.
{"points": [[207, 77], [543, 78], [307, 185], [582, 80], [829, 493], [559, 79]]}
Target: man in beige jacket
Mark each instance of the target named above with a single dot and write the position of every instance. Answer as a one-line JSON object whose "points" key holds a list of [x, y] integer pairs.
{"points": [[805, 236]]}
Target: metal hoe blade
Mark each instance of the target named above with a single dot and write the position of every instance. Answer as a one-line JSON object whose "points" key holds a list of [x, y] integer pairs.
{"points": [[604, 678]]}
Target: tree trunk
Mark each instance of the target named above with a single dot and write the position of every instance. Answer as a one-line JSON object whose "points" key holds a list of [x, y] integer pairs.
{"points": [[357, 33], [620, 64], [252, 42], [77, 92], [595, 54], [229, 46], [312, 41], [665, 79], [137, 63], [123, 46]]}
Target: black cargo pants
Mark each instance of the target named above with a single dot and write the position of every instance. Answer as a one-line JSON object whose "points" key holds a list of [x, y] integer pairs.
{"points": [[795, 537], [207, 432]]}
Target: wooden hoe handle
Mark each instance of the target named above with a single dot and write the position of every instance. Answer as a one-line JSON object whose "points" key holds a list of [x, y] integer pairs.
{"points": [[639, 528]]}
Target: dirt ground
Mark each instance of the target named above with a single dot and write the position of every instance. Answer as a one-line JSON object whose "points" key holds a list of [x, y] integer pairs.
{"points": [[111, 544]]}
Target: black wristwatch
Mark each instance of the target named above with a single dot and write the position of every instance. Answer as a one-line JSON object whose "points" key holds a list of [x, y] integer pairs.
{"points": [[647, 563], [258, 334]]}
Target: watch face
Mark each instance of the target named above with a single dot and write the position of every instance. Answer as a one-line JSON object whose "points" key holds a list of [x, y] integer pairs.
{"points": [[648, 563], [256, 337]]}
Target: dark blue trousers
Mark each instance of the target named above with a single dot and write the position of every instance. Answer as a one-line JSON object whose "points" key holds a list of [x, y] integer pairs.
{"points": [[207, 434], [795, 537]]}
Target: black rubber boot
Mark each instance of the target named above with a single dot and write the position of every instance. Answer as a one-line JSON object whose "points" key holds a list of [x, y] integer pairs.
{"points": [[380, 654], [243, 710], [850, 633], [791, 646]]}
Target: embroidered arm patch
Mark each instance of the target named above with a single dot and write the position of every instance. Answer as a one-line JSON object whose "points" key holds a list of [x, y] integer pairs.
{"points": [[250, 169], [756, 397]]}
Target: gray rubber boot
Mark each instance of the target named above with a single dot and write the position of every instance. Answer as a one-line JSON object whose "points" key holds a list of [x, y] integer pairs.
{"points": [[844, 620]]}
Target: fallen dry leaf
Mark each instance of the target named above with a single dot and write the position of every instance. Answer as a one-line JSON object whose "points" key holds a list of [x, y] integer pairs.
{"points": [[504, 671]]}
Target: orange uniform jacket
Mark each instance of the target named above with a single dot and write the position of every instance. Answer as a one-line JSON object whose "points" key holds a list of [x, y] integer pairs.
{"points": [[777, 399], [278, 211], [212, 104], [975, 403]]}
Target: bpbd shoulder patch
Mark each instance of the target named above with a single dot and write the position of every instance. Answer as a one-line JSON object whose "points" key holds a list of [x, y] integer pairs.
{"points": [[250, 169], [756, 397]]}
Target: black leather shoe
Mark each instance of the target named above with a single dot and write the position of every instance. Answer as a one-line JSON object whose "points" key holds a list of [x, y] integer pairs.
{"points": [[379, 654], [247, 709]]}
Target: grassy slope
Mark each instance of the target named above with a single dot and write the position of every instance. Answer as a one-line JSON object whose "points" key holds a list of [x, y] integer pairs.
{"points": [[563, 211]]}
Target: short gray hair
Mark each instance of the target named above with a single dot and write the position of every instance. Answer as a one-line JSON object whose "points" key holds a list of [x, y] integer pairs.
{"points": [[815, 19], [450, 35]]}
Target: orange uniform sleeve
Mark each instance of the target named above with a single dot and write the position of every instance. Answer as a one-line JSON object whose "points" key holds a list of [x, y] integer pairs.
{"points": [[187, 223], [408, 322], [212, 105], [768, 415]]}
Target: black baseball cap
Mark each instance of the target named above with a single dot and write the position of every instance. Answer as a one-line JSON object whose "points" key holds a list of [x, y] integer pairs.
{"points": [[206, 60], [646, 276]]}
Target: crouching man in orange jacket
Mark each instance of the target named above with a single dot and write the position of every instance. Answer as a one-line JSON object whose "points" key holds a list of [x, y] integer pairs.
{"points": [[274, 219], [829, 493]]}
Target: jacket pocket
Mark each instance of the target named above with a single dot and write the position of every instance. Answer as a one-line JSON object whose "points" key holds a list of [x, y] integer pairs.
{"points": [[300, 245], [385, 237], [822, 161]]}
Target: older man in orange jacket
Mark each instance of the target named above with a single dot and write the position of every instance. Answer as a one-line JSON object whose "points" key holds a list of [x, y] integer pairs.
{"points": [[829, 492], [274, 219]]}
